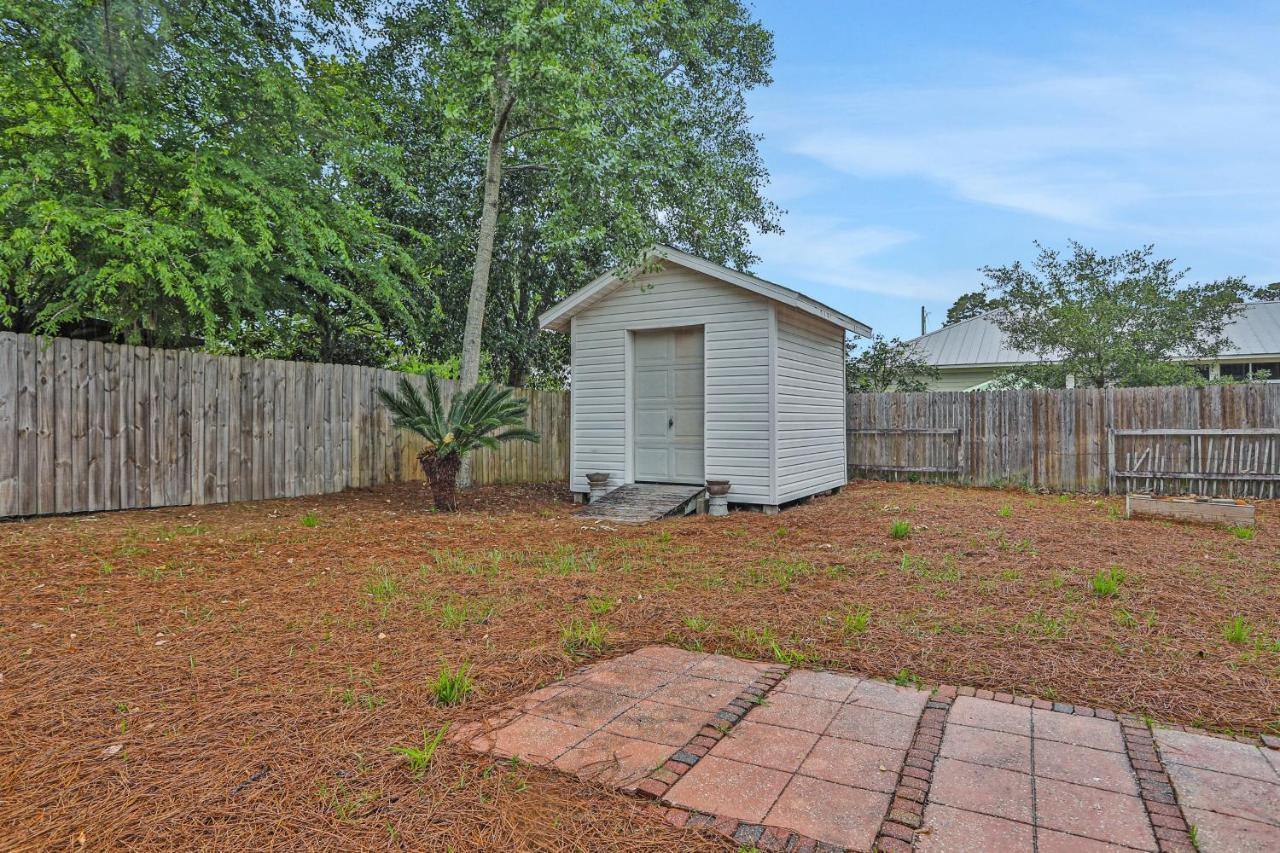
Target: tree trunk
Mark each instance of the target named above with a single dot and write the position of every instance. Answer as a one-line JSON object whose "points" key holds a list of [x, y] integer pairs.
{"points": [[442, 473], [471, 334]]}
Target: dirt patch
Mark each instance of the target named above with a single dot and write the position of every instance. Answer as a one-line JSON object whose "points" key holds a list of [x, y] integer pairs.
{"points": [[233, 676]]}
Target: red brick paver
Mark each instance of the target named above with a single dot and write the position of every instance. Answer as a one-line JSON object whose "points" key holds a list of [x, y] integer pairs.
{"points": [[812, 761]]}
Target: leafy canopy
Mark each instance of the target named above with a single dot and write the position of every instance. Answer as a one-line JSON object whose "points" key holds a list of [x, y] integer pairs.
{"points": [[1111, 320], [176, 168], [887, 365], [970, 305]]}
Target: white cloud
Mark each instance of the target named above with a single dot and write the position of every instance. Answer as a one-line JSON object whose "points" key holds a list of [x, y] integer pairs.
{"points": [[1183, 124], [837, 253]]}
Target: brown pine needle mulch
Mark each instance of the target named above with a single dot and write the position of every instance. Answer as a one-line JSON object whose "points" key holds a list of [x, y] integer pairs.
{"points": [[232, 677]]}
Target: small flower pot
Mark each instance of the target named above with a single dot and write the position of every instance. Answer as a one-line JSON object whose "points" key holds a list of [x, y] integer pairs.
{"points": [[599, 484], [718, 498]]}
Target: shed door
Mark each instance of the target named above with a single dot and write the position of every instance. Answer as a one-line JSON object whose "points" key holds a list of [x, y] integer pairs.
{"points": [[668, 406]]}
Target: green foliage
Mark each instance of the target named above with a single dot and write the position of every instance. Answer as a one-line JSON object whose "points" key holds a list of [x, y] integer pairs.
{"points": [[1005, 511], [1237, 631], [382, 587], [1106, 583], [174, 170], [969, 305], [1110, 320], [310, 519], [601, 605], [452, 685], [419, 757], [900, 529], [588, 177], [886, 365], [468, 423], [856, 621], [582, 639], [1244, 534], [471, 421]]}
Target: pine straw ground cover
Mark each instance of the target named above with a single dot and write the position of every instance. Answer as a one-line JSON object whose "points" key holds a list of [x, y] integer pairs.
{"points": [[233, 676]]}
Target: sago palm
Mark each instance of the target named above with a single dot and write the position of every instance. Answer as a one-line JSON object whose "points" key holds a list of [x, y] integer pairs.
{"points": [[472, 420]]}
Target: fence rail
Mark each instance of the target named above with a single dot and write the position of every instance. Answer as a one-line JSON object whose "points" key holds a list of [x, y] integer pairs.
{"points": [[1220, 440], [87, 426]]}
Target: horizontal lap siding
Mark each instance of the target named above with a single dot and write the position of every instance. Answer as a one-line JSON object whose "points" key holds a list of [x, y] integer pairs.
{"points": [[736, 329], [810, 405]]}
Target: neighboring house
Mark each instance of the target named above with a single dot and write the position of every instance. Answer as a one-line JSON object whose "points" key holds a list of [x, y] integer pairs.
{"points": [[969, 355], [693, 371]]}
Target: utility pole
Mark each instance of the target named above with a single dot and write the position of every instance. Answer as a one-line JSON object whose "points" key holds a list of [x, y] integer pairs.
{"points": [[924, 316]]}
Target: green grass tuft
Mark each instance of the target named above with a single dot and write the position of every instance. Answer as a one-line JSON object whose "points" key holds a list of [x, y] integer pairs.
{"points": [[900, 529], [452, 685]]}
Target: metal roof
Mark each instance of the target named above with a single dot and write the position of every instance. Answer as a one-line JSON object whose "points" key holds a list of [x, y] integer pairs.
{"points": [[557, 317], [978, 341]]}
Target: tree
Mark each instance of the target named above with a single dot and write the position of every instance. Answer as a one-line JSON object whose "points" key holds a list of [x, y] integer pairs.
{"points": [[611, 107], [969, 305], [1111, 320], [887, 365], [469, 423], [180, 168], [1267, 293]]}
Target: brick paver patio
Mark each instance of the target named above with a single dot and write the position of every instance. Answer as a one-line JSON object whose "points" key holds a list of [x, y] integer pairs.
{"points": [[806, 760]]}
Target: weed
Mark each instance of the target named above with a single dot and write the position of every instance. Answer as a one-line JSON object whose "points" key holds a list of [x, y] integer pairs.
{"points": [[452, 685], [346, 804], [1106, 583], [906, 678], [310, 519], [781, 573], [785, 655], [566, 561], [1244, 534], [106, 569], [455, 615], [600, 605], [1237, 631], [900, 529], [383, 587], [581, 639], [1005, 511], [856, 621], [697, 623]]}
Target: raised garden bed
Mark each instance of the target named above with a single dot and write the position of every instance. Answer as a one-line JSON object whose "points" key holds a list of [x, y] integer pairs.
{"points": [[1233, 513]]}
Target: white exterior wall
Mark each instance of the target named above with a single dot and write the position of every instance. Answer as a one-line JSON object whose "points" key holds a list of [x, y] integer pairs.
{"points": [[737, 428], [810, 402]]}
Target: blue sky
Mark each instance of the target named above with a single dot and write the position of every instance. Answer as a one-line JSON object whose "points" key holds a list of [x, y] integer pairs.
{"points": [[912, 143]]}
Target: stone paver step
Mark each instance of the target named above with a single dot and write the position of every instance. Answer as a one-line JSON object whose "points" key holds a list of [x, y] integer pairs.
{"points": [[816, 760]]}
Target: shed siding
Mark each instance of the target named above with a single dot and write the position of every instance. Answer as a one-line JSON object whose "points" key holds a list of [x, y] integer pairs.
{"points": [[736, 325], [810, 405]]}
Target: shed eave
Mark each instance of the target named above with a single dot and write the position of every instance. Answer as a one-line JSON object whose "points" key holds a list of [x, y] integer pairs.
{"points": [[557, 317]]}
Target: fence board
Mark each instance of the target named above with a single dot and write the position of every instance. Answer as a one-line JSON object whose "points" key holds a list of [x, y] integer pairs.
{"points": [[1168, 440], [89, 426]]}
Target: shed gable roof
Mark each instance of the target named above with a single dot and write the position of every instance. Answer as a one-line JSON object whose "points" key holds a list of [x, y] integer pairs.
{"points": [[557, 318]]}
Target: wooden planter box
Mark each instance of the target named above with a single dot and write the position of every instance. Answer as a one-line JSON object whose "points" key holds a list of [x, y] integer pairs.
{"points": [[1202, 510]]}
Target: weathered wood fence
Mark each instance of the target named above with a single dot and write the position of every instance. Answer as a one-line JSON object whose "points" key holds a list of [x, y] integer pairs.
{"points": [[1216, 440], [86, 426]]}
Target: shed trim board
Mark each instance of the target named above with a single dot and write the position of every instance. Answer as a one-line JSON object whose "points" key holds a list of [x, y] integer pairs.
{"points": [[556, 318], [773, 396]]}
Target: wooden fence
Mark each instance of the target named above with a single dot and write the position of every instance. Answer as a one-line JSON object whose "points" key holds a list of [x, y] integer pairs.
{"points": [[1216, 440], [86, 426]]}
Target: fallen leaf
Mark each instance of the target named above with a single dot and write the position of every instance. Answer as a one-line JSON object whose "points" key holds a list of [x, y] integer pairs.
{"points": [[112, 750]]}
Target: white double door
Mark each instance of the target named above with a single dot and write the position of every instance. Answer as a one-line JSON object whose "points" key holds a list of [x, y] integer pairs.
{"points": [[667, 406]]}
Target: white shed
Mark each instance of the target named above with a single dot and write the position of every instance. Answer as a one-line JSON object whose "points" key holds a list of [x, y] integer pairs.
{"points": [[688, 370]]}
